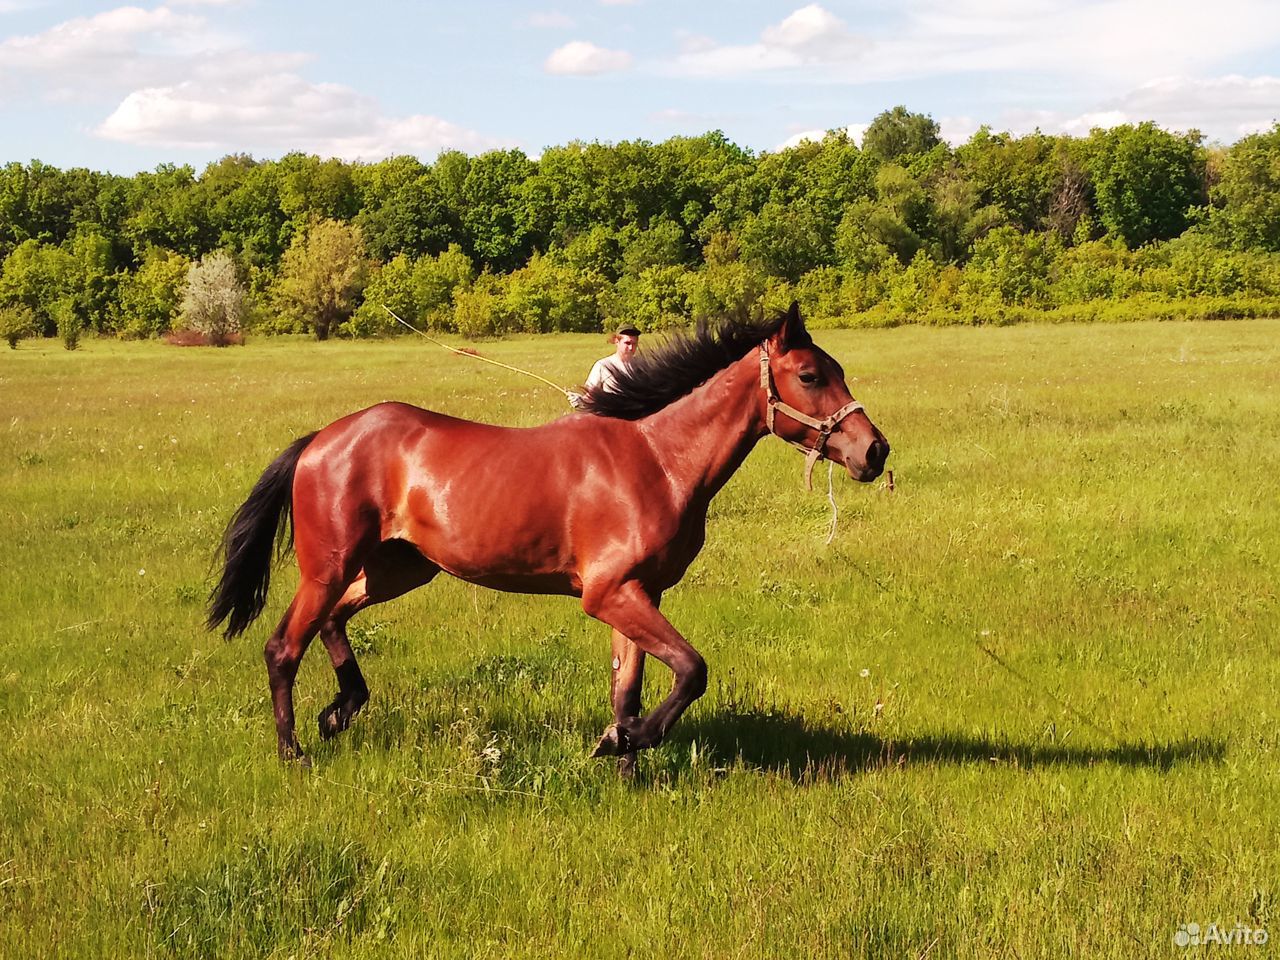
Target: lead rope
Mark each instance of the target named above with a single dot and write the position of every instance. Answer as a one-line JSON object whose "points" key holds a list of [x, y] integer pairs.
{"points": [[835, 511], [475, 356]]}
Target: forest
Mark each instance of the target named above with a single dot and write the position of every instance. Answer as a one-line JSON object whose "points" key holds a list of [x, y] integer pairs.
{"points": [[1128, 222]]}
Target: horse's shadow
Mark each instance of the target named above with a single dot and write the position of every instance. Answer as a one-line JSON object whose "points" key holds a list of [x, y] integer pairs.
{"points": [[802, 749]]}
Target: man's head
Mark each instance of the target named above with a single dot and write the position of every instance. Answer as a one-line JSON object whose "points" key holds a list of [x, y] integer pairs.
{"points": [[625, 339]]}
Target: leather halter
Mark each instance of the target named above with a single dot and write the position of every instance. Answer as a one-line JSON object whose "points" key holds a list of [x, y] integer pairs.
{"points": [[775, 404]]}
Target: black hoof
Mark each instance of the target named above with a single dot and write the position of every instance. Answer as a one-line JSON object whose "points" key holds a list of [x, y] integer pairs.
{"points": [[330, 722], [294, 755], [615, 743]]}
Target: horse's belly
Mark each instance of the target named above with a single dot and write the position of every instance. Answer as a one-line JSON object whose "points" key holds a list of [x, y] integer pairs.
{"points": [[558, 584]]}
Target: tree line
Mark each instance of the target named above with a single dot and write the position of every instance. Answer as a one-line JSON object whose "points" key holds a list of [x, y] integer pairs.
{"points": [[901, 227]]}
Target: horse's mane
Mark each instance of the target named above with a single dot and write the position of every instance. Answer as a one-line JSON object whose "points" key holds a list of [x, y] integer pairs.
{"points": [[681, 361]]}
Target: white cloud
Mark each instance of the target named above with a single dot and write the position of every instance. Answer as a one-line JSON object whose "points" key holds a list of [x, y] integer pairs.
{"points": [[1101, 42], [176, 81], [580, 57], [1224, 108], [814, 35], [128, 47], [279, 112], [809, 36]]}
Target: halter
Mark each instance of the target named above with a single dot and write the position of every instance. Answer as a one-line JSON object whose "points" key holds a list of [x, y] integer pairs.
{"points": [[774, 403]]}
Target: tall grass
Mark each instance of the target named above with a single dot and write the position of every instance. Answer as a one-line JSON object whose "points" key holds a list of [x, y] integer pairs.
{"points": [[1023, 705]]}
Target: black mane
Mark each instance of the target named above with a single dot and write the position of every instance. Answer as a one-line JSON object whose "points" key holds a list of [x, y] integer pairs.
{"points": [[679, 363]]}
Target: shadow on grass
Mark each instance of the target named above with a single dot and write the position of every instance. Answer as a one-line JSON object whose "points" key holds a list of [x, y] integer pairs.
{"points": [[802, 749]]}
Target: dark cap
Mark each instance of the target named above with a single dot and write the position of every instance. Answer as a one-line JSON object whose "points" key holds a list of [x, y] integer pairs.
{"points": [[629, 329]]}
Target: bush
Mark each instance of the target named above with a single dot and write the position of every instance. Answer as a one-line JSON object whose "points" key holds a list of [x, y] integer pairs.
{"points": [[1012, 268], [477, 311], [213, 303], [1094, 270], [820, 296], [732, 288], [150, 297], [655, 299], [547, 296], [68, 322], [16, 323]]}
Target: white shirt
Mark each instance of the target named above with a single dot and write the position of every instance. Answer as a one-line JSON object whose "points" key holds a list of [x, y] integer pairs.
{"points": [[604, 374]]}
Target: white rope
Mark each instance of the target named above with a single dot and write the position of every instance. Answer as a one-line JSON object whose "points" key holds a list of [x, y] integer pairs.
{"points": [[835, 511]]}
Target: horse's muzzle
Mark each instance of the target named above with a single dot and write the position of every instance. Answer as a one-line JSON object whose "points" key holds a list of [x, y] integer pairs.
{"points": [[873, 462]]}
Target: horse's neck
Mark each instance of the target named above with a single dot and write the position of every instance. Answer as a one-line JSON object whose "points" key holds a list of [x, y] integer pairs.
{"points": [[702, 438]]}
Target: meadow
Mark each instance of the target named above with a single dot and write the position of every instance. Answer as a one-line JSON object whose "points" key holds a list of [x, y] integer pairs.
{"points": [[1026, 704]]}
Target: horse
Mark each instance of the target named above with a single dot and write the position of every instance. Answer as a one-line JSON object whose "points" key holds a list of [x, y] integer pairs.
{"points": [[607, 504]]}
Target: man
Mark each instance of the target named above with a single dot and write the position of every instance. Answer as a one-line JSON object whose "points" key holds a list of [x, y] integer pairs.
{"points": [[605, 371]]}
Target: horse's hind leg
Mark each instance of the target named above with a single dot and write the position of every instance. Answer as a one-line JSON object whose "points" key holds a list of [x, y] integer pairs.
{"points": [[284, 650], [395, 567]]}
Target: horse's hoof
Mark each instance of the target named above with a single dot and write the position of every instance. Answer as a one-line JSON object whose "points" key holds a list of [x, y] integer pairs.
{"points": [[627, 766], [608, 745], [330, 723], [614, 743], [294, 755]]}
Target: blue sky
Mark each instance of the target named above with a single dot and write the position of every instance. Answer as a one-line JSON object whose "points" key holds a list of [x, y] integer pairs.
{"points": [[123, 88]]}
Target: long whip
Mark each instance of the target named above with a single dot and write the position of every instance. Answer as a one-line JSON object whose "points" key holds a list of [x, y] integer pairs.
{"points": [[476, 356]]}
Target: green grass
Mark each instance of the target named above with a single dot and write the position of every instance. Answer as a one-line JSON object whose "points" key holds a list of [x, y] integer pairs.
{"points": [[1094, 505]]}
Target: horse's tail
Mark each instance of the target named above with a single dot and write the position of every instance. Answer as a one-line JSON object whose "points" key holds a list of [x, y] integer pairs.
{"points": [[247, 545]]}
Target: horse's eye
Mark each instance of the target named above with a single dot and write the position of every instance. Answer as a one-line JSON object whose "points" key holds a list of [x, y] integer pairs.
{"points": [[808, 376]]}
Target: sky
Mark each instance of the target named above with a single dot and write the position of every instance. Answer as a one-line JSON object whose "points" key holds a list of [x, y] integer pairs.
{"points": [[125, 88]]}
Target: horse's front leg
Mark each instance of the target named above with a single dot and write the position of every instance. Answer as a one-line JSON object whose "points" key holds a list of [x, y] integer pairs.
{"points": [[626, 682], [633, 613]]}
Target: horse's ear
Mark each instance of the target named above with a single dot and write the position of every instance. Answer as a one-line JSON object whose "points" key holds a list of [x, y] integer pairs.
{"points": [[791, 333]]}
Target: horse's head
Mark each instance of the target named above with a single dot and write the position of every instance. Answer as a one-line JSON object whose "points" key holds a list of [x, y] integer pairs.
{"points": [[808, 402]]}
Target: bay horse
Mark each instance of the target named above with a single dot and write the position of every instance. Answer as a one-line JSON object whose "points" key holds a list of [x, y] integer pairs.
{"points": [[608, 504]]}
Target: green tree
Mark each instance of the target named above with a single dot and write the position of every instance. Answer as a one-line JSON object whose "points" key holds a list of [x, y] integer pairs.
{"points": [[16, 322], [493, 215], [322, 276], [655, 298], [1246, 198], [786, 240], [68, 322], [436, 280], [1146, 181], [390, 287], [664, 244], [150, 297], [313, 189], [545, 296], [415, 218], [957, 215], [898, 133], [93, 283], [896, 220], [37, 276], [168, 211], [243, 197]]}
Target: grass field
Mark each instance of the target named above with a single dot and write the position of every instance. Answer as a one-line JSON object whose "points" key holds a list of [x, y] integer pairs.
{"points": [[1096, 506]]}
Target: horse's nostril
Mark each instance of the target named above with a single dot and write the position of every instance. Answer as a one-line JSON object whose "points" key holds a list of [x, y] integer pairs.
{"points": [[877, 453]]}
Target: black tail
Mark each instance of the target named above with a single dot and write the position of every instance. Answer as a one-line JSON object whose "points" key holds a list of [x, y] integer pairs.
{"points": [[248, 544]]}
